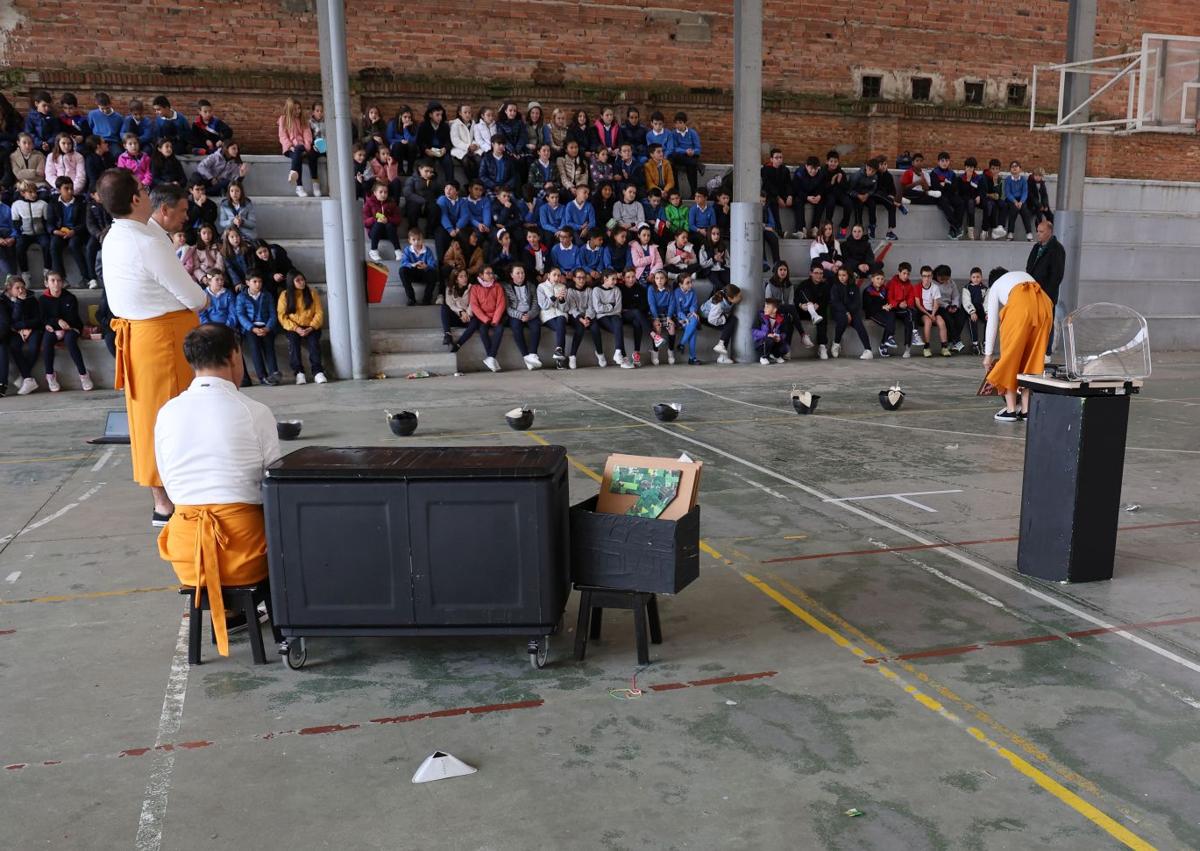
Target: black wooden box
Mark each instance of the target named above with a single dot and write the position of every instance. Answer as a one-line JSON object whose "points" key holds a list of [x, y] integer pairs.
{"points": [[634, 553]]}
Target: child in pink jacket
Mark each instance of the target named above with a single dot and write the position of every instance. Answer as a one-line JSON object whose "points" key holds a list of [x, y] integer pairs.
{"points": [[296, 141], [134, 159]]}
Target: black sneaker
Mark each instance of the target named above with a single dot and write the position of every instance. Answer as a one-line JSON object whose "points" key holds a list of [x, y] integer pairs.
{"points": [[159, 520], [3, 390], [884, 352], [890, 343], [1006, 416], [870, 233], [1022, 416], [454, 347], [269, 380], [447, 340]]}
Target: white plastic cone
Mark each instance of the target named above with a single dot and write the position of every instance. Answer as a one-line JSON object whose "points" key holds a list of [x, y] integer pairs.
{"points": [[441, 766]]}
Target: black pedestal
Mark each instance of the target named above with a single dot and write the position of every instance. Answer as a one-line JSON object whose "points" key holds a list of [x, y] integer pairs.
{"points": [[1071, 493]]}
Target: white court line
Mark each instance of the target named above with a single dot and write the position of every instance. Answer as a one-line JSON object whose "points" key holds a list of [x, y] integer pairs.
{"points": [[86, 495], [104, 456], [761, 487], [13, 577], [901, 497], [908, 533], [154, 805]]}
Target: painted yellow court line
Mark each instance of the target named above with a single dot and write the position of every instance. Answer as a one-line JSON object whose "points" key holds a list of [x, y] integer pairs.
{"points": [[619, 427], [47, 458], [90, 595], [1105, 822], [583, 468]]}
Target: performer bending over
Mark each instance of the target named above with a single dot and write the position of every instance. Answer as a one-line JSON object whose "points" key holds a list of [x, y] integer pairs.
{"points": [[1022, 316]]}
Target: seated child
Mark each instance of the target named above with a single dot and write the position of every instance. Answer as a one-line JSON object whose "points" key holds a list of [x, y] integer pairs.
{"points": [[258, 322], [300, 315], [205, 256], [418, 265], [521, 303], [456, 306], [579, 314], [879, 310], [552, 303], [62, 324], [930, 307], [135, 160], [634, 311], [660, 301], [717, 313], [30, 216], [953, 312], [165, 167], [222, 303], [208, 132], [845, 305], [687, 317], [380, 217], [768, 334], [25, 334], [606, 316], [488, 309], [974, 302]]}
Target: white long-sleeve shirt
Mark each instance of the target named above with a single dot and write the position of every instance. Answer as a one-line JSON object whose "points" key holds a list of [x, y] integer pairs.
{"points": [[460, 138], [997, 297], [212, 444], [142, 276]]}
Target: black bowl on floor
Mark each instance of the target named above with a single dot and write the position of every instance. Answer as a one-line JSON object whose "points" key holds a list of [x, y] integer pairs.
{"points": [[666, 413], [288, 429], [403, 423], [802, 408], [519, 419], [887, 404]]}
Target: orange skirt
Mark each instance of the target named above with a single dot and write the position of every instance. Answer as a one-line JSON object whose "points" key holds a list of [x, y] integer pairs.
{"points": [[1025, 324], [152, 370], [214, 545]]}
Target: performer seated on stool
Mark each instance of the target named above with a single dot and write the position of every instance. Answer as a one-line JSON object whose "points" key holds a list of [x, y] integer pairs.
{"points": [[1021, 315], [212, 444]]}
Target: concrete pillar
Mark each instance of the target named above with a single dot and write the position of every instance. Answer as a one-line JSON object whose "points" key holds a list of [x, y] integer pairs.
{"points": [[745, 239], [347, 293], [1072, 163]]}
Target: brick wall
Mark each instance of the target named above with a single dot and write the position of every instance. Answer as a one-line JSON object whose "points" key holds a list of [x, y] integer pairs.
{"points": [[247, 56]]}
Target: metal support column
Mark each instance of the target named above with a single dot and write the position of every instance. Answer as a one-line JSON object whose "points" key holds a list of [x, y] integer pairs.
{"points": [[344, 276], [746, 237], [1072, 164]]}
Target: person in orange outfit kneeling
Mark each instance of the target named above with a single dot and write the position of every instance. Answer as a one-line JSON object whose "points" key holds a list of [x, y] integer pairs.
{"points": [[1021, 316], [212, 444]]}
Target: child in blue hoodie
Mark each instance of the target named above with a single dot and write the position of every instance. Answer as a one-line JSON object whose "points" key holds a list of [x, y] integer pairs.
{"points": [[222, 302], [687, 316], [566, 255], [683, 150], [257, 320], [660, 300]]}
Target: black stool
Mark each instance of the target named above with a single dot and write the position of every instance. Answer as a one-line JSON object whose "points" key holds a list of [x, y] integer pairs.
{"points": [[592, 603], [242, 599]]}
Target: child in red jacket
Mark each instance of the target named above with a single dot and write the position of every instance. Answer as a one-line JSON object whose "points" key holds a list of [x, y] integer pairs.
{"points": [[488, 310], [380, 218], [901, 295]]}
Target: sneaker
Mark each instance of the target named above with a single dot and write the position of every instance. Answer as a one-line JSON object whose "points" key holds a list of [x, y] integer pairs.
{"points": [[806, 341], [970, 233], [952, 234], [85, 382], [1006, 416], [159, 520], [720, 349], [916, 339], [528, 362], [656, 339], [724, 359], [867, 354], [270, 380], [28, 385], [907, 353], [293, 177], [1045, 358], [537, 361], [821, 353], [903, 208], [654, 358], [447, 340], [777, 359], [884, 353], [454, 348], [1009, 237], [627, 363], [945, 352], [558, 355], [764, 362], [928, 353], [572, 363], [491, 363], [375, 256], [1022, 416], [619, 357], [694, 361], [959, 346], [600, 361], [889, 343], [320, 378], [93, 284], [836, 350], [300, 379], [1029, 237], [890, 236], [316, 191], [975, 348], [871, 232], [637, 359], [300, 193], [670, 358], [52, 382]]}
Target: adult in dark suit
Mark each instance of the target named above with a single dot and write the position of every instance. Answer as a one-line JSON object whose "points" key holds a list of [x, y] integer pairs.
{"points": [[1046, 264]]}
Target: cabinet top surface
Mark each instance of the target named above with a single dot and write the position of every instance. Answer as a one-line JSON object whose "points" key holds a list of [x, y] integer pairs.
{"points": [[384, 462]]}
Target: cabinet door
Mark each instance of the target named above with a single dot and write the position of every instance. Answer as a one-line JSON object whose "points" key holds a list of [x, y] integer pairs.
{"points": [[475, 552], [345, 558]]}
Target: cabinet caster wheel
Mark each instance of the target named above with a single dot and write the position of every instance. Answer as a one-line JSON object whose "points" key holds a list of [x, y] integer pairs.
{"points": [[539, 651], [295, 653]]}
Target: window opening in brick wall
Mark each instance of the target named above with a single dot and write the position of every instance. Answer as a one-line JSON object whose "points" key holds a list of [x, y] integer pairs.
{"points": [[973, 94], [872, 87], [1017, 93], [921, 87]]}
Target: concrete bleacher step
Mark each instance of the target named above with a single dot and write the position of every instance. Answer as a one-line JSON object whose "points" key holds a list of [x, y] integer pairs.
{"points": [[282, 218], [406, 341], [267, 175], [400, 364], [384, 317]]}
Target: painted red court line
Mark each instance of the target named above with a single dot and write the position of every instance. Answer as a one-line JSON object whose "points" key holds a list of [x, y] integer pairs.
{"points": [[7, 631], [326, 729], [1036, 639], [940, 546]]}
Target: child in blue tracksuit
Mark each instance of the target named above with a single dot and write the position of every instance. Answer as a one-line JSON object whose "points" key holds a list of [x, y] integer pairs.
{"points": [[551, 216], [258, 323], [1016, 200], [660, 300], [592, 256], [683, 150], [454, 218], [687, 316], [222, 303], [138, 123], [566, 254], [701, 217]]}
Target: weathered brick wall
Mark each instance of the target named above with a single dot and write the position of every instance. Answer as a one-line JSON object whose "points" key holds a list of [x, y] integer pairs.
{"points": [[247, 56]]}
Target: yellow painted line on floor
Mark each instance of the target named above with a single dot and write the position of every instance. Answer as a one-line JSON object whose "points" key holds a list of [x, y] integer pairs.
{"points": [[46, 458], [619, 427], [90, 595], [583, 468], [1105, 822], [795, 537]]}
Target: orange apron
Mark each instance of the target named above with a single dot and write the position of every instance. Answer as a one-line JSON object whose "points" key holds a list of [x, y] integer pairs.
{"points": [[214, 545], [1025, 324], [152, 370]]}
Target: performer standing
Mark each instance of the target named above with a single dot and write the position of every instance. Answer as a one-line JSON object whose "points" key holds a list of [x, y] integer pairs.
{"points": [[212, 445], [1021, 315], [154, 302]]}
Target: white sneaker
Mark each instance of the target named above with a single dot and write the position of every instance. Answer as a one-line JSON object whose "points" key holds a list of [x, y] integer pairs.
{"points": [[320, 378], [600, 361], [776, 359], [654, 357], [723, 358], [293, 177], [93, 284], [806, 341], [1029, 237], [764, 362], [85, 382], [821, 353], [618, 357], [959, 346], [572, 363], [836, 350], [627, 363], [916, 339], [537, 361], [814, 316], [492, 364], [866, 355], [529, 362], [906, 354], [28, 385], [1046, 359], [316, 190], [375, 256], [300, 379], [300, 193], [52, 382], [671, 357], [720, 349]]}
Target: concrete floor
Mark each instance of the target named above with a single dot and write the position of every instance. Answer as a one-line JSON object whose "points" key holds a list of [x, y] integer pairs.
{"points": [[803, 695]]}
